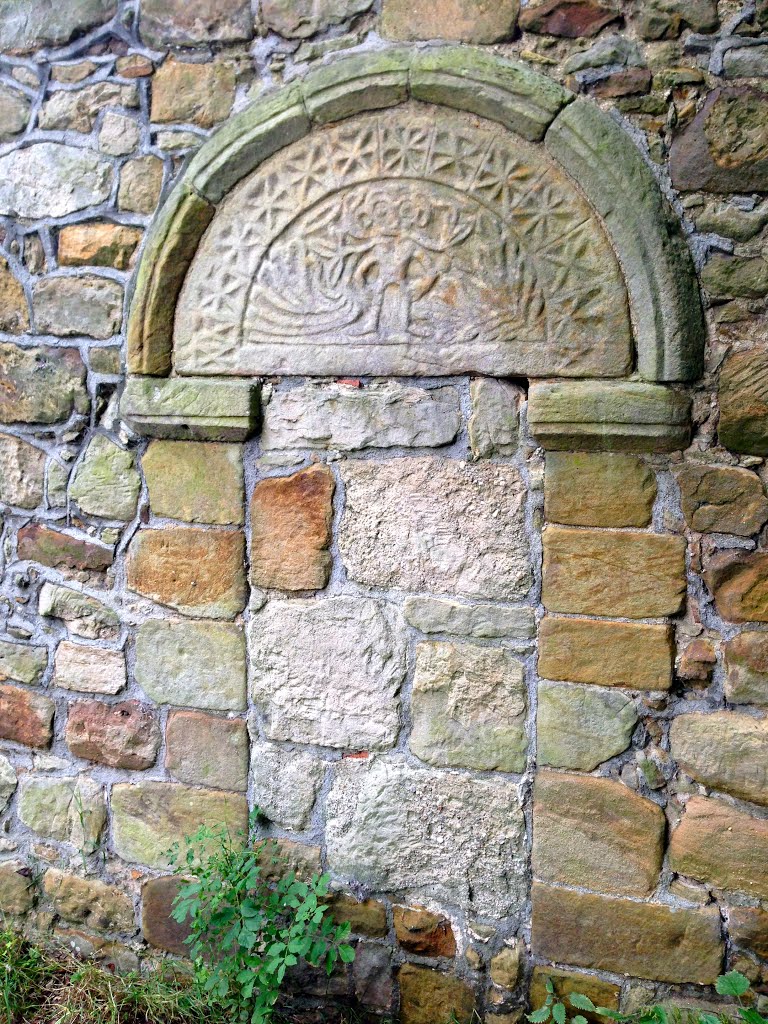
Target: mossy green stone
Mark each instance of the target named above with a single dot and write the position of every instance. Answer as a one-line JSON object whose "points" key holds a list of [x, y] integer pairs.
{"points": [[21, 663], [106, 482], [582, 726]]}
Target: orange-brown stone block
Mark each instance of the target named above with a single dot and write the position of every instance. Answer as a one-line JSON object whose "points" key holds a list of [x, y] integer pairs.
{"points": [[423, 933], [160, 930], [25, 717], [291, 530], [428, 996], [602, 993], [124, 735], [739, 584], [748, 928], [39, 543]]}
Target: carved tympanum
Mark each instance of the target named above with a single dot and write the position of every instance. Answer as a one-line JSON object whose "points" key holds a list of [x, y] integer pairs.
{"points": [[408, 242]]}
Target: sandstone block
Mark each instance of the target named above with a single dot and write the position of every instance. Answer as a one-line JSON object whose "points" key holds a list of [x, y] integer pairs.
{"points": [[481, 621], [286, 784], [8, 782], [598, 489], [25, 717], [196, 482], [198, 572], [22, 472], [22, 663], [298, 19], [725, 751], [141, 181], [84, 615], [98, 244], [14, 313], [41, 385], [423, 524], [367, 917], [735, 277], [67, 810], [493, 425], [743, 405], [504, 968], [602, 993], [469, 707], [204, 750], [159, 928], [665, 19], [192, 664], [124, 735], [88, 669], [195, 22], [37, 24], [739, 585], [596, 834], [72, 306], [582, 726], [746, 665], [567, 18], [119, 134], [633, 655], [723, 847], [77, 109], [149, 817], [428, 835], [291, 521], [104, 908], [644, 940], [748, 928], [106, 482], [460, 20], [199, 94], [636, 575], [720, 499], [309, 699], [345, 418], [14, 112], [39, 543], [50, 179], [17, 894], [427, 996], [191, 408], [422, 933]]}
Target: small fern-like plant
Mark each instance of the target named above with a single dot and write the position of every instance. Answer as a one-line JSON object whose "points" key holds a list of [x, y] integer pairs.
{"points": [[250, 924]]}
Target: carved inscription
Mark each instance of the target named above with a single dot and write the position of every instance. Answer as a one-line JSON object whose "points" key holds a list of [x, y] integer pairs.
{"points": [[416, 241]]}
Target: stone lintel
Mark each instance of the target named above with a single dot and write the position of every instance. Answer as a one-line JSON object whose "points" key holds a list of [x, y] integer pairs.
{"points": [[192, 408], [599, 415]]}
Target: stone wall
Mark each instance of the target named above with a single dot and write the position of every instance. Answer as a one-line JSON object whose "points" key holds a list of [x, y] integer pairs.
{"points": [[490, 651]]}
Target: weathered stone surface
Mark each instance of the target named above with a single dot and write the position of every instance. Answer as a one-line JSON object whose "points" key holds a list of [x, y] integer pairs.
{"points": [[193, 22], [665, 19], [442, 525], [746, 666], [149, 817], [636, 575], [372, 976], [71, 306], [49, 179], [632, 655], [596, 834], [22, 472], [493, 425], [725, 147], [14, 111], [37, 23], [124, 735], [17, 887], [14, 314], [105, 360], [427, 996], [191, 408], [98, 244], [106, 482], [199, 483], [480, 621], [423, 933], [7, 782], [346, 418], [22, 663], [291, 521], [119, 134], [602, 993], [204, 750], [140, 183], [743, 425], [504, 968], [428, 834], [25, 717], [600, 489], [721, 499], [159, 928], [367, 917], [77, 109], [644, 940], [725, 751], [192, 664], [199, 94], [484, 312], [39, 543], [748, 927], [746, 62], [88, 669], [104, 908], [298, 19], [285, 784], [567, 18], [735, 277], [41, 385], [84, 615], [727, 849], [67, 810], [307, 699], [198, 572], [468, 707], [461, 20], [739, 584], [582, 726]]}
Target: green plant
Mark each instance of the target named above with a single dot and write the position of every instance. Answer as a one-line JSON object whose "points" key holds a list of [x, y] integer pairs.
{"points": [[250, 924], [732, 984]]}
